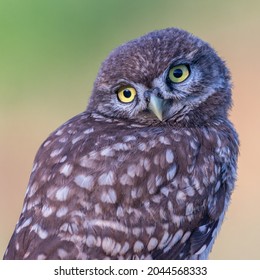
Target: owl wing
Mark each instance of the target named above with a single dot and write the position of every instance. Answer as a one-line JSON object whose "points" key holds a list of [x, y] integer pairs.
{"points": [[199, 242], [32, 243], [36, 235], [202, 236]]}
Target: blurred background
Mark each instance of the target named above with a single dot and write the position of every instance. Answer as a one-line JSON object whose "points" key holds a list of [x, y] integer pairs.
{"points": [[50, 52]]}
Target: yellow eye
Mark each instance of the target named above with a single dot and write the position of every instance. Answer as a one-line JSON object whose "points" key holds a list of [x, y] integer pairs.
{"points": [[126, 94], [179, 73]]}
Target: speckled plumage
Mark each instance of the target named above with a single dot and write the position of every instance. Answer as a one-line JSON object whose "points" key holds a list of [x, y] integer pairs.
{"points": [[116, 182]]}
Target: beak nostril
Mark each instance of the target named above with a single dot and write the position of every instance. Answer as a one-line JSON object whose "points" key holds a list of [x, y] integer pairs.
{"points": [[147, 95], [156, 91]]}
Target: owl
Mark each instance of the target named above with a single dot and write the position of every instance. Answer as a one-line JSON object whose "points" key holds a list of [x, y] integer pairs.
{"points": [[147, 170]]}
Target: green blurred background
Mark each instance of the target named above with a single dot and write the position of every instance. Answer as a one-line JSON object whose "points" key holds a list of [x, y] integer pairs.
{"points": [[50, 52]]}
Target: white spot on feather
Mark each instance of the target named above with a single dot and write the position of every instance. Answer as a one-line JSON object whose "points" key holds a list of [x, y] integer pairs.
{"points": [[138, 246], [62, 211], [26, 223], [63, 159], [162, 214], [124, 249], [151, 184], [129, 138], [108, 244], [66, 169], [62, 193], [120, 147], [185, 236], [63, 139], [171, 172], [158, 180], [131, 170], [136, 231], [46, 211], [55, 153], [71, 228], [59, 132], [62, 253], [89, 130], [165, 191], [177, 236], [194, 145], [98, 209], [107, 152], [164, 240], [147, 164], [136, 192], [201, 250], [91, 240], [120, 212], [125, 179], [107, 224], [152, 244], [197, 186], [107, 178], [156, 160], [109, 196], [189, 191], [142, 146], [169, 156], [43, 234], [47, 143], [164, 140], [217, 186], [177, 219], [157, 199], [180, 197], [189, 209], [32, 203], [150, 230], [34, 167], [32, 189], [76, 139], [85, 182], [116, 249], [41, 257]]}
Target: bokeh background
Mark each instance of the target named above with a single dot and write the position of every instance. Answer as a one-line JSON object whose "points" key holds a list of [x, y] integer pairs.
{"points": [[50, 52]]}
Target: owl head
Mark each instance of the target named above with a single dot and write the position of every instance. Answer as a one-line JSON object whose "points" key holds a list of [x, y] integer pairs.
{"points": [[168, 77]]}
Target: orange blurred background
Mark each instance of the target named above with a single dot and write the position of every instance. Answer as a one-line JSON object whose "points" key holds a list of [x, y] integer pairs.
{"points": [[50, 52]]}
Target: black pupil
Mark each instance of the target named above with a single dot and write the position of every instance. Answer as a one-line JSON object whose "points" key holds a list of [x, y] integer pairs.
{"points": [[127, 93], [177, 73]]}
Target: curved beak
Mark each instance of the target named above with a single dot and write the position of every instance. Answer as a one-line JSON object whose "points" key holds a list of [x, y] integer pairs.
{"points": [[156, 106]]}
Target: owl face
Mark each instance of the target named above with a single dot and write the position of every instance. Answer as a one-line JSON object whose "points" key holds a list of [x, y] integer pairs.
{"points": [[166, 76]]}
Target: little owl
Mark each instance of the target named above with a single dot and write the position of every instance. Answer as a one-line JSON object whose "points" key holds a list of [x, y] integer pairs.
{"points": [[147, 170]]}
